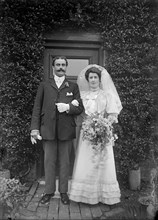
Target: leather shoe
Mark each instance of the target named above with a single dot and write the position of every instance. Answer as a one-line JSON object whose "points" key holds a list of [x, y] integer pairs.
{"points": [[46, 198], [64, 198]]}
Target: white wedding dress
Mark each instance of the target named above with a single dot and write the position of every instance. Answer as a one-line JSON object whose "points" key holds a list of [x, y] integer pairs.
{"points": [[94, 182]]}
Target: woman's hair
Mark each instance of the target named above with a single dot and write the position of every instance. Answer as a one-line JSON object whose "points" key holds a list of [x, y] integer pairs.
{"points": [[93, 70]]}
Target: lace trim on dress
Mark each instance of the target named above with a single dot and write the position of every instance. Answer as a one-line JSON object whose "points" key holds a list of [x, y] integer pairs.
{"points": [[94, 193]]}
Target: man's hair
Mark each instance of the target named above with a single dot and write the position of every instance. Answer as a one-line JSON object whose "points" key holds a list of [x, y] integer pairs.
{"points": [[93, 70], [59, 57]]}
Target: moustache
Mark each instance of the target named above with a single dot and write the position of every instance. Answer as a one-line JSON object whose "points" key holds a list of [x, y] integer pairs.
{"points": [[61, 70]]}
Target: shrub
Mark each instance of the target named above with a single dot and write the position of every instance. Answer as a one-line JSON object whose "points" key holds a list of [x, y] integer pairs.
{"points": [[12, 194]]}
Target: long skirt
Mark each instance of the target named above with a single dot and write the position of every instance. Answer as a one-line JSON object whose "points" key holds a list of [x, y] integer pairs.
{"points": [[94, 178]]}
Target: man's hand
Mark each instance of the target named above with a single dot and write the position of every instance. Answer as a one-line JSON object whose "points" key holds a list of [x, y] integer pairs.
{"points": [[35, 135], [62, 107], [75, 102]]}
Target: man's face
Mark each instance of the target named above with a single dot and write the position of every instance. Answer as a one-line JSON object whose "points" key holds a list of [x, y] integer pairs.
{"points": [[60, 67]]}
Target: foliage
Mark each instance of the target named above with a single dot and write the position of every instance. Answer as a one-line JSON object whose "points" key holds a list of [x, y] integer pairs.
{"points": [[129, 31], [12, 193], [131, 43]]}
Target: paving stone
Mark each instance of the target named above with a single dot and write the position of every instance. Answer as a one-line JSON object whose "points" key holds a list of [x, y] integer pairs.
{"points": [[63, 211], [54, 205], [33, 188], [40, 191], [54, 217], [35, 199], [85, 211], [53, 209], [27, 200], [26, 212], [135, 211], [95, 210], [113, 212], [63, 208], [23, 217], [16, 216], [74, 207], [42, 212], [75, 215], [32, 206], [104, 207]]}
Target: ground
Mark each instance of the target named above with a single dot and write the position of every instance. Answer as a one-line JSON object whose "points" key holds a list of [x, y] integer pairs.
{"points": [[128, 209]]}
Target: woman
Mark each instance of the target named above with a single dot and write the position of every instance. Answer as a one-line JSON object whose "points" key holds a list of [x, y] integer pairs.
{"points": [[94, 182]]}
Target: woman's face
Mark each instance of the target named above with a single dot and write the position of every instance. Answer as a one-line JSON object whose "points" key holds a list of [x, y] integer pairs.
{"points": [[93, 80]]}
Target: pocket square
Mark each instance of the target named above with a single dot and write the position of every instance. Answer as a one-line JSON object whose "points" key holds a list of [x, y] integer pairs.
{"points": [[69, 93]]}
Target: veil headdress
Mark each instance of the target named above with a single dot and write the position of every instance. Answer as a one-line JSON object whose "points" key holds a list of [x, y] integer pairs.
{"points": [[106, 85]]}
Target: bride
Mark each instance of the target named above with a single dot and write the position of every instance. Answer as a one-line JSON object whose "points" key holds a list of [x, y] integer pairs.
{"points": [[94, 182]]}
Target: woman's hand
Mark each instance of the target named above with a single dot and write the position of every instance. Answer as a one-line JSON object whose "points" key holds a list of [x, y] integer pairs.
{"points": [[75, 102], [113, 118]]}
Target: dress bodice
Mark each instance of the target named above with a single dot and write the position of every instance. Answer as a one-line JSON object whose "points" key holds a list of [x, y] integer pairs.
{"points": [[94, 102]]}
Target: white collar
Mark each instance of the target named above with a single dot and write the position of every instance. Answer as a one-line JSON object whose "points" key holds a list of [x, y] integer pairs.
{"points": [[59, 79]]}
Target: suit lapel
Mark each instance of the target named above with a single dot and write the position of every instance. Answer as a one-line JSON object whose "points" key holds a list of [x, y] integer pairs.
{"points": [[64, 84], [52, 82]]}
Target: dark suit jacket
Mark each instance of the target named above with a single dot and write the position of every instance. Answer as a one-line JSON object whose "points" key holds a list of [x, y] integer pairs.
{"points": [[45, 116]]}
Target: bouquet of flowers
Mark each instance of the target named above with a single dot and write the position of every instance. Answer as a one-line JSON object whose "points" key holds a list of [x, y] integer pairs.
{"points": [[98, 131]]}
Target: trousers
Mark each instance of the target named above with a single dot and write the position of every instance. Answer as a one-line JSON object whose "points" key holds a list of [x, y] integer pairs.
{"points": [[56, 150]]}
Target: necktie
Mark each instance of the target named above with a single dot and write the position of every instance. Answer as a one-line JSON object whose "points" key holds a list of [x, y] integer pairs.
{"points": [[58, 82]]}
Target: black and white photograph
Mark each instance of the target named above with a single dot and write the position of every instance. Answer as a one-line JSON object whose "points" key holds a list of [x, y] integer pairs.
{"points": [[79, 109]]}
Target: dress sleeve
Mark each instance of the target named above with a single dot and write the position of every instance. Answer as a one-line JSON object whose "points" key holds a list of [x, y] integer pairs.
{"points": [[79, 119], [114, 105]]}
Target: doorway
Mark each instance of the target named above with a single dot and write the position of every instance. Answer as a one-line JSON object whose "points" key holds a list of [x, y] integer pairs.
{"points": [[80, 49]]}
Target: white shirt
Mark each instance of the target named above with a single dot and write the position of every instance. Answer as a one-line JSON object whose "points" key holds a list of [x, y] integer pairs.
{"points": [[59, 80]]}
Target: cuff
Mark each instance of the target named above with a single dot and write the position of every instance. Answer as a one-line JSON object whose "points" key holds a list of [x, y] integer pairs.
{"points": [[68, 108], [35, 132]]}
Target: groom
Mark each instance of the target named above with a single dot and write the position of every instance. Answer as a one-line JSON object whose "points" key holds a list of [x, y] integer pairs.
{"points": [[53, 122]]}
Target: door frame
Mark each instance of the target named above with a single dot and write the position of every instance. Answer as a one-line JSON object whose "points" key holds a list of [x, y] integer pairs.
{"points": [[71, 41]]}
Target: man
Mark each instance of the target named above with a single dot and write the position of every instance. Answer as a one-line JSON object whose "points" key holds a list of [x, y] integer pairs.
{"points": [[56, 105]]}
